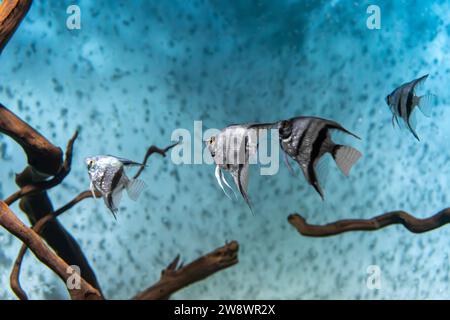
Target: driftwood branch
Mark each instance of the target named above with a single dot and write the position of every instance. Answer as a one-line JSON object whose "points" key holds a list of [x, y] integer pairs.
{"points": [[12, 13], [11, 223], [40, 186], [176, 277], [33, 143], [38, 227], [411, 223]]}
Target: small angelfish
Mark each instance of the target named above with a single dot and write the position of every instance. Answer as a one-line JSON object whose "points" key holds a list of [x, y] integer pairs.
{"points": [[108, 177], [307, 139], [403, 100]]}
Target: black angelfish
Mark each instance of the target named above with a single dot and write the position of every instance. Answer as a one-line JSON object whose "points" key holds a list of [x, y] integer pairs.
{"points": [[403, 100], [307, 139]]}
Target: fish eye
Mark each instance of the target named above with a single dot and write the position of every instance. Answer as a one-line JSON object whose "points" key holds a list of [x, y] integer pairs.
{"points": [[285, 129]]}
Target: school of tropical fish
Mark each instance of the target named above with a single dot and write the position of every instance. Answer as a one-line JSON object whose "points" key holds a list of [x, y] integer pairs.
{"points": [[305, 139]]}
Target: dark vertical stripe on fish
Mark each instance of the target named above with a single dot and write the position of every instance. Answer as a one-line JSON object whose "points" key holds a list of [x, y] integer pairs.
{"points": [[302, 137], [116, 179], [399, 104], [409, 102], [318, 142]]}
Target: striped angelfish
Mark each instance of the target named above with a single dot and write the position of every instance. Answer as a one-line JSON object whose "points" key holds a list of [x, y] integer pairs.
{"points": [[107, 175], [403, 100], [231, 150], [307, 139]]}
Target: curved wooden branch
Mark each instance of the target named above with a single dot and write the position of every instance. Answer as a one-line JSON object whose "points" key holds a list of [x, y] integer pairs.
{"points": [[411, 223], [12, 13], [38, 227], [11, 223], [36, 147], [176, 277], [34, 188]]}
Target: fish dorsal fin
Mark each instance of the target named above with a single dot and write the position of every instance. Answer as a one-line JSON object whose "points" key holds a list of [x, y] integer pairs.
{"points": [[127, 162], [418, 83]]}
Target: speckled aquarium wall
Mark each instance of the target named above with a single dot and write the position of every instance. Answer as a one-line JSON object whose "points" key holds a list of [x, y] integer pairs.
{"points": [[137, 70]]}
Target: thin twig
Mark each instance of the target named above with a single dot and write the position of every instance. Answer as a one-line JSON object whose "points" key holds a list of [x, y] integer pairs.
{"points": [[150, 151]]}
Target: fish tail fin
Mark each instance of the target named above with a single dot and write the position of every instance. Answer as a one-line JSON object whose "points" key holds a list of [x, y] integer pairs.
{"points": [[135, 188], [426, 103], [345, 157]]}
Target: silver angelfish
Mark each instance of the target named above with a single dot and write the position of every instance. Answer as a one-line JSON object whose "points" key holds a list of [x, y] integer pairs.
{"points": [[403, 100], [231, 150], [107, 176]]}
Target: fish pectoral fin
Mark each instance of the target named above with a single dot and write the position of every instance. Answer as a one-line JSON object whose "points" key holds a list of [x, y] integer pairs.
{"points": [[135, 188], [219, 178], [92, 188], [227, 184], [394, 118]]}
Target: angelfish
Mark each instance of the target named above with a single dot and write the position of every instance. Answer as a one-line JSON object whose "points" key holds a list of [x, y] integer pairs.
{"points": [[107, 176], [231, 150], [403, 100], [307, 139]]}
